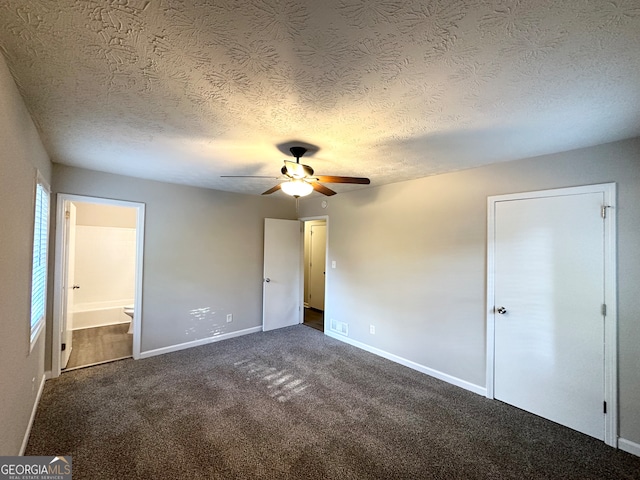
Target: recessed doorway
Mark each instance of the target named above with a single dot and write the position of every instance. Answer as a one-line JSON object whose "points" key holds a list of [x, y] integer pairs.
{"points": [[315, 262], [97, 291]]}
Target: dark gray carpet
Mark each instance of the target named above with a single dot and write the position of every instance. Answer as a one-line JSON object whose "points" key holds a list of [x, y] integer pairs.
{"points": [[295, 404]]}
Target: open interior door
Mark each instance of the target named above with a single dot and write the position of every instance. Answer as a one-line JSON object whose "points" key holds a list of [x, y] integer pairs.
{"points": [[282, 293], [66, 332]]}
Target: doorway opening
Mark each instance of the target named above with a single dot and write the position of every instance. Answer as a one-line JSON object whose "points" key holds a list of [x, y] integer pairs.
{"points": [[315, 263], [98, 282]]}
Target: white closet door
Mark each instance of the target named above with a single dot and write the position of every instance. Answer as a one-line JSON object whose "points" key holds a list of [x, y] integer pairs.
{"points": [[549, 286]]}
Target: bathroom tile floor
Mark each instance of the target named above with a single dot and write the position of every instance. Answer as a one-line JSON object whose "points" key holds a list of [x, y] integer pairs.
{"points": [[99, 345]]}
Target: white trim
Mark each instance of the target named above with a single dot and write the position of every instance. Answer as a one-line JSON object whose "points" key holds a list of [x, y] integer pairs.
{"points": [[137, 304], [610, 294], [491, 286], [97, 363], [25, 440], [611, 319], [628, 446], [413, 365], [36, 335], [58, 291], [197, 343]]}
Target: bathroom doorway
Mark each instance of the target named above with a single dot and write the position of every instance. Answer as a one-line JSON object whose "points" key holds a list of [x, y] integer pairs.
{"points": [[315, 260], [98, 281]]}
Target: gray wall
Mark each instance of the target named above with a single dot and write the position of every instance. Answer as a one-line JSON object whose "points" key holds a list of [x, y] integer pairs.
{"points": [[21, 152], [411, 259], [203, 253]]}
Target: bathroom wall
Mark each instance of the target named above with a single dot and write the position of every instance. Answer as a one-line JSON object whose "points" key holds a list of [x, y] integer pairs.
{"points": [[100, 215], [105, 263]]}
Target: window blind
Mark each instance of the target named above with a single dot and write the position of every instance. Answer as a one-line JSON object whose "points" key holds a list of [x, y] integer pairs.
{"points": [[39, 271]]}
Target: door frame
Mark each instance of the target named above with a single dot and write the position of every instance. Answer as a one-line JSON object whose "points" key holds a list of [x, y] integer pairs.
{"points": [[610, 294], [308, 248], [326, 263], [60, 266]]}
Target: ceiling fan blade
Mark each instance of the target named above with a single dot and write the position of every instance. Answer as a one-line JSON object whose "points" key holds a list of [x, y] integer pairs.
{"points": [[272, 189], [297, 170], [248, 176], [335, 179], [322, 189]]}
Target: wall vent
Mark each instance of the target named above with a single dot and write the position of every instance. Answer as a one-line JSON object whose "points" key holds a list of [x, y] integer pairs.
{"points": [[339, 327]]}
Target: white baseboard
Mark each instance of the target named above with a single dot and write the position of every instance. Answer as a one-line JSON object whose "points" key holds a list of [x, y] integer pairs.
{"points": [[25, 440], [197, 343], [629, 446], [413, 365]]}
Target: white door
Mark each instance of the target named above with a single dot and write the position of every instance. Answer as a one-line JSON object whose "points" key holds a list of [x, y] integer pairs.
{"points": [[317, 266], [282, 295], [549, 324], [66, 333]]}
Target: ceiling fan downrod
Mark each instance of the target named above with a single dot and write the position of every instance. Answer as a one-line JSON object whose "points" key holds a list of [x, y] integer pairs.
{"points": [[298, 152]]}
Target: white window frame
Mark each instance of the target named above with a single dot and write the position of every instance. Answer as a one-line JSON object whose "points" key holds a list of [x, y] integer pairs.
{"points": [[39, 262]]}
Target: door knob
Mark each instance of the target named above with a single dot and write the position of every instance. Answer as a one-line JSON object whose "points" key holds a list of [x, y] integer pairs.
{"points": [[75, 287], [501, 310], [267, 279]]}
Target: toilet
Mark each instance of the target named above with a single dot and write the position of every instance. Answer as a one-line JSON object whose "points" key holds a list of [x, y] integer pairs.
{"points": [[129, 311]]}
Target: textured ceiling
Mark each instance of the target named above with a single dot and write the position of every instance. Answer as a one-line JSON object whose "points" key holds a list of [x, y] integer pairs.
{"points": [[186, 91]]}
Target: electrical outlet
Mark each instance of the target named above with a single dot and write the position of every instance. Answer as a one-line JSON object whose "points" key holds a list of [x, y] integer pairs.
{"points": [[372, 329], [229, 317]]}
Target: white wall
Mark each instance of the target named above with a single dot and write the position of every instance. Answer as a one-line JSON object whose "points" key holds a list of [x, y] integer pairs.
{"points": [[99, 215], [411, 259], [21, 152], [202, 255], [105, 264], [105, 267]]}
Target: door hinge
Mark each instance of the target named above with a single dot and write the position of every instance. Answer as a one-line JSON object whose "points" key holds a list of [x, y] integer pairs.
{"points": [[67, 214], [603, 210], [604, 309], [604, 407], [63, 347]]}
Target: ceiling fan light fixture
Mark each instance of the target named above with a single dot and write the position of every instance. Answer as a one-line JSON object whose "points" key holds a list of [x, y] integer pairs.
{"points": [[297, 188]]}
